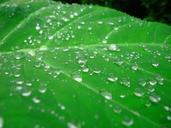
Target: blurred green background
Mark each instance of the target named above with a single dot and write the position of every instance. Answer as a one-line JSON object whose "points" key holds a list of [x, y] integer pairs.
{"points": [[151, 10]]}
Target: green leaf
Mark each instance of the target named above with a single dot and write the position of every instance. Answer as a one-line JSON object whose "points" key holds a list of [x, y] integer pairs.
{"points": [[82, 66]]}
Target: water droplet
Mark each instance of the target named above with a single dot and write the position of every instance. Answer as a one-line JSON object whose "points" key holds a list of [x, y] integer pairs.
{"points": [[42, 89], [1, 122], [106, 95], [19, 82], [117, 109], [142, 82], [112, 78], [122, 96], [168, 117], [167, 108], [85, 69], [71, 125], [112, 47], [26, 93], [50, 37], [155, 65], [154, 98], [36, 100], [134, 67], [138, 92], [128, 122], [152, 82], [31, 52], [125, 82], [62, 107], [43, 48], [37, 27], [100, 22], [77, 77]]}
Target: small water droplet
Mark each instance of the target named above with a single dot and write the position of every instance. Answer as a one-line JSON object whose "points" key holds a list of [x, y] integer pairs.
{"points": [[117, 109], [125, 81], [36, 100], [77, 77], [50, 37], [43, 48], [112, 47], [112, 78], [26, 93], [152, 82], [128, 122], [168, 117], [42, 89], [71, 125], [106, 95], [154, 98], [138, 92], [85, 69], [31, 52], [1, 122], [134, 67], [62, 107], [19, 82], [37, 27], [155, 65], [142, 82]]}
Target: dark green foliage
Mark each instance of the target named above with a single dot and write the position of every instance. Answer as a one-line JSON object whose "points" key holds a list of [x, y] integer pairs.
{"points": [[152, 10]]}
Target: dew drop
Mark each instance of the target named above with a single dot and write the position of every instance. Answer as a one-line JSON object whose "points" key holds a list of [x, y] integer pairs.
{"points": [[36, 100], [1, 122], [43, 48], [154, 98], [112, 47], [62, 107], [168, 117], [128, 122], [117, 109], [31, 52], [42, 89], [50, 37], [125, 82], [26, 93], [37, 27], [112, 78], [71, 125], [19, 82], [142, 82], [106, 95], [77, 77], [152, 82], [155, 65], [138, 92], [85, 69], [134, 67]]}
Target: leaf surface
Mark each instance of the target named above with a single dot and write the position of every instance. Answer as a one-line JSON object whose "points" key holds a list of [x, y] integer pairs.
{"points": [[82, 66]]}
